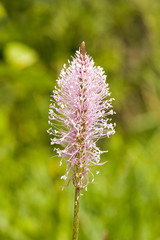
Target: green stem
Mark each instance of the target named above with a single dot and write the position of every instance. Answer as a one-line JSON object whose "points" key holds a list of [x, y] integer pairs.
{"points": [[76, 214]]}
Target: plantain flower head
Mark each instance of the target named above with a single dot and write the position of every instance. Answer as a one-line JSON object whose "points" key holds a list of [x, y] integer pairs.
{"points": [[79, 115]]}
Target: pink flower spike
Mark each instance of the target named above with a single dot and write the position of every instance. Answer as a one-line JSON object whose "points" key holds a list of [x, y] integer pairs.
{"points": [[79, 110]]}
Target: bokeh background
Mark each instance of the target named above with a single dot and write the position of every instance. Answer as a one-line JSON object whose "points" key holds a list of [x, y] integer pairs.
{"points": [[36, 38]]}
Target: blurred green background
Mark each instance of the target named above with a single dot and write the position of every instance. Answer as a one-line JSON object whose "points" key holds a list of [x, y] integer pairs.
{"points": [[36, 38]]}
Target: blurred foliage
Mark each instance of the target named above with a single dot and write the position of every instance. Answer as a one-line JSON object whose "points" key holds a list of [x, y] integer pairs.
{"points": [[36, 39]]}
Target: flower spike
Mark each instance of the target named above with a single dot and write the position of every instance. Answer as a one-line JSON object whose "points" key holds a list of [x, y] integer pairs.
{"points": [[79, 111]]}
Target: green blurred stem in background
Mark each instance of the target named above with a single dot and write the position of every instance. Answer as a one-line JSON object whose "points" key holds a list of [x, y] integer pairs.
{"points": [[76, 214]]}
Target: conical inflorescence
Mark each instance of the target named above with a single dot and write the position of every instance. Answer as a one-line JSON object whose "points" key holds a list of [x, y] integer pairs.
{"points": [[79, 115]]}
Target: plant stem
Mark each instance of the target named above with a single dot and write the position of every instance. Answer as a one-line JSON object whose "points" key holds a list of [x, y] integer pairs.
{"points": [[76, 214]]}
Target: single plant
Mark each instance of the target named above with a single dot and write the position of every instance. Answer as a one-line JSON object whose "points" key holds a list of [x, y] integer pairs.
{"points": [[80, 112]]}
